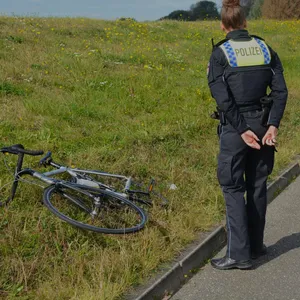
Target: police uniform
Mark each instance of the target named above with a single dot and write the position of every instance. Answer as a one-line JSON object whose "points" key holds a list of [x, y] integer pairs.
{"points": [[241, 69]]}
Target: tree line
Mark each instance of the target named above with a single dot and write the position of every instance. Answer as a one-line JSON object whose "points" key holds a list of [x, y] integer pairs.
{"points": [[281, 9], [255, 9], [202, 10]]}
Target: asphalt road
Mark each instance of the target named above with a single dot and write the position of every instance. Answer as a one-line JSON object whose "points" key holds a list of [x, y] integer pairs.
{"points": [[276, 276]]}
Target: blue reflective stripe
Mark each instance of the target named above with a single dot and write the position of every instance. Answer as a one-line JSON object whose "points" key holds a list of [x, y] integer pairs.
{"points": [[229, 235], [231, 54], [264, 50]]}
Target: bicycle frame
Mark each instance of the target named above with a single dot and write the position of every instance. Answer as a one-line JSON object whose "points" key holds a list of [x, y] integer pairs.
{"points": [[74, 173], [53, 181], [82, 181], [107, 210], [45, 177], [81, 176]]}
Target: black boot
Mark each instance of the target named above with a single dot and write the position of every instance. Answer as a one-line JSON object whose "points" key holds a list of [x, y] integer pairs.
{"points": [[257, 254], [227, 263]]}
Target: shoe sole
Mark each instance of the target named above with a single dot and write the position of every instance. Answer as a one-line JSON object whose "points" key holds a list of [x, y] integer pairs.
{"points": [[234, 266]]}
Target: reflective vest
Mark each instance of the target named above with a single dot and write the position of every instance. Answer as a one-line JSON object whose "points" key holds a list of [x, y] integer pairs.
{"points": [[246, 53]]}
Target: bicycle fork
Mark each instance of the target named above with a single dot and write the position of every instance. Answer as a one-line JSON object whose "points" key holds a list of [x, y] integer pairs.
{"points": [[97, 205], [16, 179]]}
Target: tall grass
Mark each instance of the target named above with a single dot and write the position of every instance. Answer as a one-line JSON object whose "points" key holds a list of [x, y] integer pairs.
{"points": [[123, 97]]}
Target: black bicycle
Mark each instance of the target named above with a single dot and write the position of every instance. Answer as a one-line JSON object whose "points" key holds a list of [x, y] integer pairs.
{"points": [[80, 199]]}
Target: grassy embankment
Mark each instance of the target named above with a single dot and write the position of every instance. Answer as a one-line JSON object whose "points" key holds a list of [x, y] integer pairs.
{"points": [[123, 97]]}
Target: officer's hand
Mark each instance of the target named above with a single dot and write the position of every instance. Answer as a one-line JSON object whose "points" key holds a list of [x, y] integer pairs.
{"points": [[251, 139], [270, 136]]}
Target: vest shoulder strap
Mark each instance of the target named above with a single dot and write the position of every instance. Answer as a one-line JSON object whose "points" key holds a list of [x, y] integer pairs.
{"points": [[220, 43], [256, 36]]}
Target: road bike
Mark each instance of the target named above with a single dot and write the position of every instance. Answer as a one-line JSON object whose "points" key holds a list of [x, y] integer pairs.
{"points": [[80, 199], [120, 184]]}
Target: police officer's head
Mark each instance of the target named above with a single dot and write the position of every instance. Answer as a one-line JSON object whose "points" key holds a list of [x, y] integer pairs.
{"points": [[232, 16]]}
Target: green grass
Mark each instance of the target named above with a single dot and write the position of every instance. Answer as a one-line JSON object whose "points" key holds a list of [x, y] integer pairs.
{"points": [[123, 97]]}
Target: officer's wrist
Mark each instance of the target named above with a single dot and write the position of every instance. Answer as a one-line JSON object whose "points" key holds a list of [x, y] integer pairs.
{"points": [[243, 130], [273, 124]]}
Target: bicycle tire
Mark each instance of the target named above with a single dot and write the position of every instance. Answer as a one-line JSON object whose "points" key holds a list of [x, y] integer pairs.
{"points": [[117, 215]]}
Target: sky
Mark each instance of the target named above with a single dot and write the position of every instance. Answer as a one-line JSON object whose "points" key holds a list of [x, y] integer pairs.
{"points": [[141, 10]]}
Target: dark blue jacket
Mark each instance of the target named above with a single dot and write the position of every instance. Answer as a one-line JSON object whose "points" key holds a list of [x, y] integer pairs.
{"points": [[237, 88]]}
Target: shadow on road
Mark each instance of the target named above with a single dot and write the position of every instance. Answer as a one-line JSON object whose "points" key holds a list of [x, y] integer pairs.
{"points": [[281, 247]]}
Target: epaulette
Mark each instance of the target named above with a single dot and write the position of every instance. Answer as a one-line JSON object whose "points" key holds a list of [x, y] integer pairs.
{"points": [[256, 36]]}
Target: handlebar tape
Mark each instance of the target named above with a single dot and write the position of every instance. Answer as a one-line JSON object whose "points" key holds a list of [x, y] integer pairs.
{"points": [[18, 148]]}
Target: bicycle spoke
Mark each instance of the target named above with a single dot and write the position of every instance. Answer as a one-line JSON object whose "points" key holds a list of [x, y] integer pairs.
{"points": [[77, 202]]}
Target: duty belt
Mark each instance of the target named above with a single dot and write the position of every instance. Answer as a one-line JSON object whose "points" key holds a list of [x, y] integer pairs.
{"points": [[244, 109], [219, 115]]}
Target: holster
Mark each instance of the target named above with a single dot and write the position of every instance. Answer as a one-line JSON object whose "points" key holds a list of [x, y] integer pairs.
{"points": [[219, 115], [222, 118], [266, 104]]}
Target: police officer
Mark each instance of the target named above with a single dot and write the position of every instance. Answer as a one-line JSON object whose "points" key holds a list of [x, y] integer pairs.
{"points": [[241, 69]]}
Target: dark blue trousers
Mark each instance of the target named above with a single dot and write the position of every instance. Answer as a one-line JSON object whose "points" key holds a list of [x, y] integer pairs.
{"points": [[242, 174]]}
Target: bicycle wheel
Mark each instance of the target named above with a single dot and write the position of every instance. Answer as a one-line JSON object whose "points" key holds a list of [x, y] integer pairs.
{"points": [[99, 211]]}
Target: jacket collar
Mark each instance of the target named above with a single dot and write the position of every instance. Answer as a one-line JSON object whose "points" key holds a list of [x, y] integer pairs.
{"points": [[240, 34]]}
